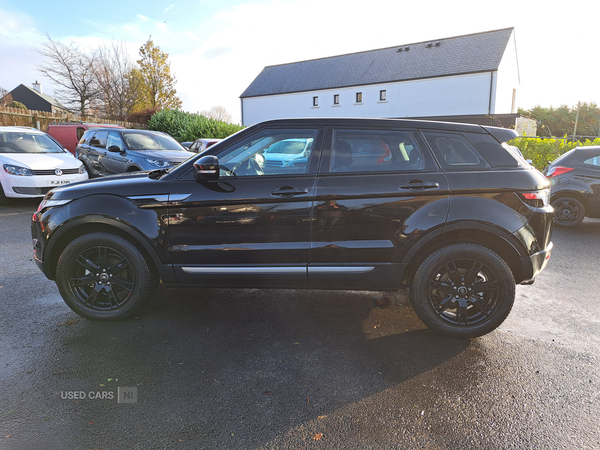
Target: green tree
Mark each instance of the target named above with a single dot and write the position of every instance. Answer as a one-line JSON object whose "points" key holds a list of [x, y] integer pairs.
{"points": [[158, 83], [561, 121]]}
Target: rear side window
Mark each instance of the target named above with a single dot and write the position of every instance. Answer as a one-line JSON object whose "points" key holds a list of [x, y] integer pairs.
{"points": [[491, 150], [374, 151], [455, 152], [595, 161]]}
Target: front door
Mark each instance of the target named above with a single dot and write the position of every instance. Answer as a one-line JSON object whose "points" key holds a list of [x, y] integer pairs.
{"points": [[252, 225]]}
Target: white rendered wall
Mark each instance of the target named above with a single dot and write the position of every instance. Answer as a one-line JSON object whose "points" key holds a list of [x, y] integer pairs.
{"points": [[508, 79], [447, 96]]}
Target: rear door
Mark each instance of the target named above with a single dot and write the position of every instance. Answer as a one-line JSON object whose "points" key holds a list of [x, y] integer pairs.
{"points": [[378, 192]]}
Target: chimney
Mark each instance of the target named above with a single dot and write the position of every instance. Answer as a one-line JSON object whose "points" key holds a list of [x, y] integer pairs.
{"points": [[38, 87]]}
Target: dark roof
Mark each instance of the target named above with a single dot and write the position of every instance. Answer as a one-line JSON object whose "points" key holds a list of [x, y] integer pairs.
{"points": [[25, 95], [472, 53]]}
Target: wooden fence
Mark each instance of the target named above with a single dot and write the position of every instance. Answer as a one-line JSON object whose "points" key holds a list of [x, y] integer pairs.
{"points": [[41, 119]]}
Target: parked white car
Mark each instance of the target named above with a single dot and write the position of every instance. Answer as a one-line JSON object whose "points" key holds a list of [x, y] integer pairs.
{"points": [[33, 163]]}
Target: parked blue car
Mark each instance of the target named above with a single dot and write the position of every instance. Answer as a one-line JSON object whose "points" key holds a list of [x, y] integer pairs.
{"points": [[106, 151]]}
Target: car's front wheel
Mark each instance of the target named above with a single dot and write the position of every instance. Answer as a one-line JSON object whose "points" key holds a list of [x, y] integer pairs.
{"points": [[568, 211], [463, 291], [102, 276]]}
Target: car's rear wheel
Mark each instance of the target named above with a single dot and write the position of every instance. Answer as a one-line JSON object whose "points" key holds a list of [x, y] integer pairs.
{"points": [[102, 276], [463, 291], [568, 211]]}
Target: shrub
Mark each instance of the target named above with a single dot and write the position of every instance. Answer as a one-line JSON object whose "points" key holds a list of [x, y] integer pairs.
{"points": [[185, 126], [542, 151], [141, 116], [16, 104]]}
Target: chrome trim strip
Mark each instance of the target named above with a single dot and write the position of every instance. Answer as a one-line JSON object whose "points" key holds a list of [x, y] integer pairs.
{"points": [[274, 270], [243, 270], [340, 269]]}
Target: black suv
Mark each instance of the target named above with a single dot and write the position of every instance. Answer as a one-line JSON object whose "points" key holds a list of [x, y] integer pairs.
{"points": [[575, 185], [443, 209]]}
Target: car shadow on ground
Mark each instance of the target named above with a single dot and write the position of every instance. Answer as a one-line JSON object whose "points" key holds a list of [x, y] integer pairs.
{"points": [[238, 368]]}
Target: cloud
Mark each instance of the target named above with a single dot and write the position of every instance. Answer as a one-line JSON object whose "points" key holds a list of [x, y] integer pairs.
{"points": [[144, 18], [169, 8]]}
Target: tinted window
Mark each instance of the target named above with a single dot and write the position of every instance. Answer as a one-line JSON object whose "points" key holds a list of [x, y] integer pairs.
{"points": [[272, 152], [453, 151], [491, 150], [374, 151]]}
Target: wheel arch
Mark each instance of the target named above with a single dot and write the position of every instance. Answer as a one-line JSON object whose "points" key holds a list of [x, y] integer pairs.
{"points": [[88, 225], [571, 194], [504, 245]]}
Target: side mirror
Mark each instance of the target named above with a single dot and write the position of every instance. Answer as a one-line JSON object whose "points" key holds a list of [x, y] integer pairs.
{"points": [[206, 168], [114, 149]]}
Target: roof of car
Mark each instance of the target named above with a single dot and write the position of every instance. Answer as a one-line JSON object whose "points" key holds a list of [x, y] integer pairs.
{"points": [[472, 53]]}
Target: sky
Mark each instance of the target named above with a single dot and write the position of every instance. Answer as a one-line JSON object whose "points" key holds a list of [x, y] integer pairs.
{"points": [[217, 48]]}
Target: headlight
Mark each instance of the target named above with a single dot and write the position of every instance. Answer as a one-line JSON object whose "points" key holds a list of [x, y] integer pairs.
{"points": [[159, 163], [82, 169], [16, 170]]}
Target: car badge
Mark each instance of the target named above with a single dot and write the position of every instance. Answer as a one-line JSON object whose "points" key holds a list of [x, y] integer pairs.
{"points": [[58, 172]]}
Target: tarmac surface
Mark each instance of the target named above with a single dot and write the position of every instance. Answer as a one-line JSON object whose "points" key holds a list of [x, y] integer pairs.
{"points": [[287, 369]]}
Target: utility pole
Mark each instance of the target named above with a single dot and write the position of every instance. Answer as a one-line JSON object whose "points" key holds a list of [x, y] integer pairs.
{"points": [[576, 120]]}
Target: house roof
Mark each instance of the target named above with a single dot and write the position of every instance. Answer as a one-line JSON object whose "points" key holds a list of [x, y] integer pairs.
{"points": [[471, 53], [46, 97]]}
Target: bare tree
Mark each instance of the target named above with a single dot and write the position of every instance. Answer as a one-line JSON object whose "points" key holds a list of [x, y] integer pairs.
{"points": [[217, 113], [5, 98], [121, 88], [73, 72]]}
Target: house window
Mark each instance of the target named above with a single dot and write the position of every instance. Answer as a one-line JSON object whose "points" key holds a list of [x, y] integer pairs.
{"points": [[315, 101], [382, 96], [336, 99], [359, 97]]}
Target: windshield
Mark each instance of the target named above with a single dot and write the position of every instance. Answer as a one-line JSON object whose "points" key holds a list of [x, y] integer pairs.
{"points": [[288, 147], [150, 141], [27, 142]]}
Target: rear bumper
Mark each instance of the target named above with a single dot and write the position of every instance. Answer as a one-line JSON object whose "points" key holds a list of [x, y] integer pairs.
{"points": [[534, 264]]}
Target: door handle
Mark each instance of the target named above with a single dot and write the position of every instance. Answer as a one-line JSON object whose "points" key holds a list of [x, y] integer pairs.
{"points": [[419, 185], [289, 191]]}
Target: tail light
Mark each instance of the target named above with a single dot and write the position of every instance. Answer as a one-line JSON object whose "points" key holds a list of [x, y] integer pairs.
{"points": [[558, 170], [536, 199]]}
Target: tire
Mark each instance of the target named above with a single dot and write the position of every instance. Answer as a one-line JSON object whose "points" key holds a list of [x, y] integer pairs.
{"points": [[463, 291], [3, 199], [102, 276], [568, 211]]}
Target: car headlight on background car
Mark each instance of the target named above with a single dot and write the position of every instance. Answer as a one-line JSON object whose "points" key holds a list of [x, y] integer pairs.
{"points": [[159, 163], [17, 170]]}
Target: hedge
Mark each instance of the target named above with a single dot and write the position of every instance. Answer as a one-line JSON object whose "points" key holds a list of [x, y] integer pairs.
{"points": [[188, 127], [542, 151]]}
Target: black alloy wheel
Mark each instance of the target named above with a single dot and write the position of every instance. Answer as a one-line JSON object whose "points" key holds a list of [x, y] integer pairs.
{"points": [[104, 277], [463, 291], [568, 211]]}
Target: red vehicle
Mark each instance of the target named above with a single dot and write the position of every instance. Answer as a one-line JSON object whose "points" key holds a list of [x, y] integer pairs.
{"points": [[69, 134]]}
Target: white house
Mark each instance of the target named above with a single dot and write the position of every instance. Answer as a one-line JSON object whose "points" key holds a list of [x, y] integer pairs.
{"points": [[474, 75]]}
